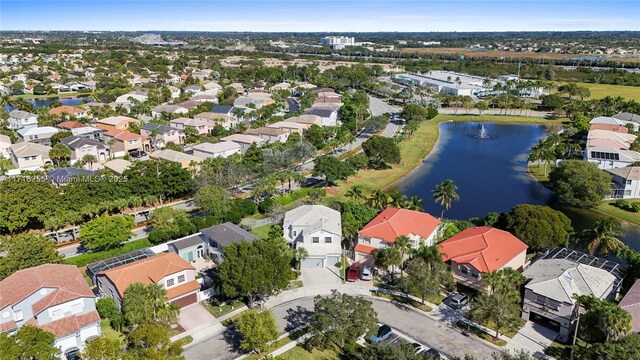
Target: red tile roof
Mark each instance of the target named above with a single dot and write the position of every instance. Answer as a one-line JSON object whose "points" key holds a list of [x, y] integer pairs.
{"points": [[393, 222], [54, 298], [64, 109], [485, 248], [71, 324], [364, 249], [610, 127], [631, 303], [183, 289], [124, 135], [147, 271], [71, 125], [9, 325], [23, 283]]}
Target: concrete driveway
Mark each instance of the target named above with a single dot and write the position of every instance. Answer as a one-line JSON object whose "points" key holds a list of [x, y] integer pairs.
{"points": [[532, 337], [195, 316], [321, 277]]}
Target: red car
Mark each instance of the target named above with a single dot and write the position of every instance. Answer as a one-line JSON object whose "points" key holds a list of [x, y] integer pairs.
{"points": [[353, 273]]}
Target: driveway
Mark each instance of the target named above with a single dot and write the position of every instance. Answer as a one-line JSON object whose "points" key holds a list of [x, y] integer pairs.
{"points": [[532, 337], [322, 277], [194, 316]]}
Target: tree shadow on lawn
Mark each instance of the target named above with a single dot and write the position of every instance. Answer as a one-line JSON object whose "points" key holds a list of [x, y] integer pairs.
{"points": [[297, 317]]}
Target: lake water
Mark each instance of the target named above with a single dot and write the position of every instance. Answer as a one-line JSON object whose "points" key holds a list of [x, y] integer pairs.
{"points": [[490, 174], [38, 103]]}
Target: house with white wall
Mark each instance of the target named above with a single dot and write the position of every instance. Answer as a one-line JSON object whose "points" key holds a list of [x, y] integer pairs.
{"points": [[19, 119], [318, 229], [55, 298], [625, 182]]}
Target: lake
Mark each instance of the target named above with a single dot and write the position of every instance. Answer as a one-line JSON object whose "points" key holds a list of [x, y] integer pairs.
{"points": [[39, 103], [490, 173]]}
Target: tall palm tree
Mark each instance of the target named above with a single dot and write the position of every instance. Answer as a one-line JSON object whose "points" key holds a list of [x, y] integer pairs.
{"points": [[396, 199], [445, 193], [89, 159], [603, 237], [300, 254], [355, 193], [415, 203], [403, 243]]}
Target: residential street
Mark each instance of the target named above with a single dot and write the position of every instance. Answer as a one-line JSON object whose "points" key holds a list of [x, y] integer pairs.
{"points": [[295, 313]]}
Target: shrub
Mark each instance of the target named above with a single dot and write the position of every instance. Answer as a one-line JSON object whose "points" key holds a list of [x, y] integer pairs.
{"points": [[106, 308], [626, 205], [205, 221], [265, 206]]}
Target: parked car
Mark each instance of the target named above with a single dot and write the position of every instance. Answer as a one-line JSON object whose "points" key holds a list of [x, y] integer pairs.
{"points": [[457, 301], [366, 273], [432, 354], [353, 273], [383, 333], [137, 154]]}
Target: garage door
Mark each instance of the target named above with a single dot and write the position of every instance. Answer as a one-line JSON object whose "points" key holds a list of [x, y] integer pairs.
{"points": [[333, 260], [312, 263], [187, 300]]}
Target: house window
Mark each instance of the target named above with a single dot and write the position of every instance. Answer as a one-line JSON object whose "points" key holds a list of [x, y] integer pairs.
{"points": [[366, 241], [540, 299], [131, 142], [327, 240], [76, 308], [316, 240], [464, 269], [627, 192], [170, 282], [628, 182], [475, 274], [17, 316], [181, 279], [295, 233]]}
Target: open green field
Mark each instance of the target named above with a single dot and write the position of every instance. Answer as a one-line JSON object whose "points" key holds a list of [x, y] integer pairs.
{"points": [[608, 208], [598, 91], [299, 353], [414, 149], [49, 96]]}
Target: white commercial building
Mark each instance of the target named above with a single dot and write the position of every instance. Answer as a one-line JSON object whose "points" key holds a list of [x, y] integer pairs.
{"points": [[338, 42], [445, 81]]}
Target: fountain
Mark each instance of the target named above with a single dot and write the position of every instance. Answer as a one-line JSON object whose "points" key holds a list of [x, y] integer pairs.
{"points": [[481, 133]]}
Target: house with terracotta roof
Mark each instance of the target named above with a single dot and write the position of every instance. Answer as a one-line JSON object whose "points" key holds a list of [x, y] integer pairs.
{"points": [[122, 142], [631, 303], [116, 123], [168, 270], [66, 111], [480, 250], [55, 298], [384, 229]]}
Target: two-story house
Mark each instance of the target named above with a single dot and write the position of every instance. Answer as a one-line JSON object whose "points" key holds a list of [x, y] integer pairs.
{"points": [[136, 95], [201, 126], [29, 156], [318, 229], [37, 134], [477, 251], [161, 135], [549, 297], [329, 116], [218, 236], [222, 149], [5, 143], [290, 127], [157, 111], [19, 119], [168, 270], [270, 134], [244, 140], [81, 147], [55, 298], [625, 182], [384, 229], [122, 142], [116, 123], [81, 130], [186, 161], [214, 119]]}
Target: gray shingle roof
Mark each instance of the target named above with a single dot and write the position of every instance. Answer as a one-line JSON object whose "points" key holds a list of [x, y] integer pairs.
{"points": [[314, 217], [162, 129], [221, 109], [75, 142], [559, 279], [188, 242], [631, 303], [62, 175], [228, 233]]}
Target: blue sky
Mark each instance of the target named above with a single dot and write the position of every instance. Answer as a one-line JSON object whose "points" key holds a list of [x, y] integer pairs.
{"points": [[319, 16]]}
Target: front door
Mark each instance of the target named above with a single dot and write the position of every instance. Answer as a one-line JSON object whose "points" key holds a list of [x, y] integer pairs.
{"points": [[190, 256]]}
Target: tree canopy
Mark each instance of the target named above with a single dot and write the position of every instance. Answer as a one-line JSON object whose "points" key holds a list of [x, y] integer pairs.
{"points": [[332, 169], [381, 151], [579, 183], [24, 251], [256, 329], [106, 232], [538, 226], [29, 342], [147, 304]]}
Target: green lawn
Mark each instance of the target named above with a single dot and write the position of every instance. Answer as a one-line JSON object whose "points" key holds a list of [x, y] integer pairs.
{"points": [[109, 332], [261, 231], [598, 91], [218, 311], [481, 334], [414, 149], [58, 95], [299, 353], [416, 304], [538, 172], [608, 208]]}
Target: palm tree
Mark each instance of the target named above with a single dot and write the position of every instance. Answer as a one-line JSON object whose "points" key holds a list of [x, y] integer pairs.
{"points": [[300, 254], [89, 159], [355, 193], [396, 199], [415, 203], [403, 243], [603, 237], [505, 280], [378, 199], [445, 193]]}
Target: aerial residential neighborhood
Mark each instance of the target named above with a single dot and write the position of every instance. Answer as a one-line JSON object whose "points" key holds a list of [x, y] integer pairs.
{"points": [[319, 181]]}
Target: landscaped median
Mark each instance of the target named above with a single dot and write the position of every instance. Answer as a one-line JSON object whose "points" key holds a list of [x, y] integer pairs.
{"points": [[414, 149]]}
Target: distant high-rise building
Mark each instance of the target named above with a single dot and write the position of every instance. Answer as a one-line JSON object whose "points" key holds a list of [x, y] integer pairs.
{"points": [[337, 42]]}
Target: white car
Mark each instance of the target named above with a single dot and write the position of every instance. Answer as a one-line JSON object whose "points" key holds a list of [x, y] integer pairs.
{"points": [[366, 273]]}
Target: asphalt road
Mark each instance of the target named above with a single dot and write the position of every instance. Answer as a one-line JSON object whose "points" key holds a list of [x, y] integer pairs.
{"points": [[292, 105], [379, 107], [295, 313]]}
